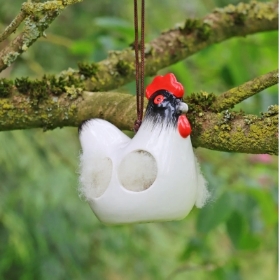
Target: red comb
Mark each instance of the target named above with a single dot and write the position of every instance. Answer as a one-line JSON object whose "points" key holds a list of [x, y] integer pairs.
{"points": [[167, 82]]}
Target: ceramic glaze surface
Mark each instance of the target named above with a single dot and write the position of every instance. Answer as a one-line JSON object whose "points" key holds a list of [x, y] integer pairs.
{"points": [[152, 177]]}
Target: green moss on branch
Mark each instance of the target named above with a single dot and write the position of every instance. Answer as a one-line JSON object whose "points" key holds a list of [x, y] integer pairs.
{"points": [[87, 69], [181, 42], [32, 8], [6, 87], [228, 131], [235, 95], [50, 85], [170, 47], [235, 132]]}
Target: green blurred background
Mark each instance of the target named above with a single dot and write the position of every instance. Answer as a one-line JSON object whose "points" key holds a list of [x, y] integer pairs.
{"points": [[48, 232]]}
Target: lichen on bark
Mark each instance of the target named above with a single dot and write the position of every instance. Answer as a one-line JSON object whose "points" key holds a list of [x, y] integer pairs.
{"points": [[36, 17], [67, 99], [242, 133], [227, 131]]}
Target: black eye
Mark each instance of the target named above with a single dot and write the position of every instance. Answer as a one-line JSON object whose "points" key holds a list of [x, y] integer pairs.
{"points": [[159, 99]]}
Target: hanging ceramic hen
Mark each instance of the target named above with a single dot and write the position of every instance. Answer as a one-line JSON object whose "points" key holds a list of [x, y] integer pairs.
{"points": [[152, 177]]}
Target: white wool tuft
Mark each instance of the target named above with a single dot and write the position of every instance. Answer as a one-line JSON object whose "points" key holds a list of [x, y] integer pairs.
{"points": [[202, 192], [137, 171], [95, 176]]}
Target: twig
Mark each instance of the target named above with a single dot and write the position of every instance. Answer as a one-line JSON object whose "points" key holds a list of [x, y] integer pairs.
{"points": [[235, 95], [34, 28], [13, 26]]}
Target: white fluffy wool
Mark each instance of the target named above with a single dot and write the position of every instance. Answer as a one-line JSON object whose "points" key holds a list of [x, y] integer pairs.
{"points": [[202, 192], [94, 176], [137, 171]]}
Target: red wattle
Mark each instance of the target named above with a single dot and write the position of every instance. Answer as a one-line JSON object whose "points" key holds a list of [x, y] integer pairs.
{"points": [[184, 126]]}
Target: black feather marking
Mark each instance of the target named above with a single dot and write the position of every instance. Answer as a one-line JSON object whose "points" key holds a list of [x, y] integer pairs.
{"points": [[166, 113], [82, 124]]}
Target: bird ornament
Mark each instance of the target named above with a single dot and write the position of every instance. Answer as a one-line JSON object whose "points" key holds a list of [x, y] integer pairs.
{"points": [[152, 177]]}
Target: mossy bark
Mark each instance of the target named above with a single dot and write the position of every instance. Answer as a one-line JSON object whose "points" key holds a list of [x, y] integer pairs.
{"points": [[223, 131], [181, 42], [235, 95], [240, 133], [22, 112], [169, 48], [67, 100], [36, 17]]}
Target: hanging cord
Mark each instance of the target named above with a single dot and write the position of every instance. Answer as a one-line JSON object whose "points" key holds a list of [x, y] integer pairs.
{"points": [[139, 63]]}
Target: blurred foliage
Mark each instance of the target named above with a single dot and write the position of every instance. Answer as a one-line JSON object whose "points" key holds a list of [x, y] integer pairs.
{"points": [[47, 231]]}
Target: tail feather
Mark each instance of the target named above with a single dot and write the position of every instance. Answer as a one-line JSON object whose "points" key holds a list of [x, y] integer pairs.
{"points": [[202, 192]]}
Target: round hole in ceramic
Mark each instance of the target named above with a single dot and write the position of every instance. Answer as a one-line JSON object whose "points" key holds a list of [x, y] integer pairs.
{"points": [[137, 171]]}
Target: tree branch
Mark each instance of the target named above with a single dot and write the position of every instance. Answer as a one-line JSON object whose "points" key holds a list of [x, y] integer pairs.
{"points": [[35, 25], [180, 43], [235, 95], [169, 48], [13, 26], [236, 132], [62, 101], [230, 131]]}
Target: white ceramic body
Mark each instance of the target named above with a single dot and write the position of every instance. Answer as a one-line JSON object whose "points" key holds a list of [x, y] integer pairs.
{"points": [[170, 197]]}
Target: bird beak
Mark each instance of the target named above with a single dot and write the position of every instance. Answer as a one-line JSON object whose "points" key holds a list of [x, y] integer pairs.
{"points": [[183, 108]]}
